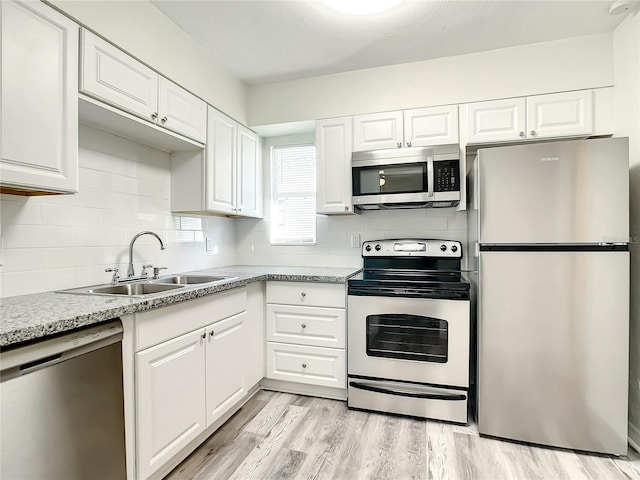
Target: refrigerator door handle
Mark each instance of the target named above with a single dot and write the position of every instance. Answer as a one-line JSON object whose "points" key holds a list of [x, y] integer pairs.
{"points": [[432, 396], [430, 179]]}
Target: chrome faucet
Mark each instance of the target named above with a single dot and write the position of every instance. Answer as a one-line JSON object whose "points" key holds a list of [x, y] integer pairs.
{"points": [[130, 271]]}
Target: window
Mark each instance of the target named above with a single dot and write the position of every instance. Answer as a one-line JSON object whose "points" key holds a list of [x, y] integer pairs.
{"points": [[293, 194]]}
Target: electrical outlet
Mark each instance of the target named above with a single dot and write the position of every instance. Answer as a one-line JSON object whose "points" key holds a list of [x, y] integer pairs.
{"points": [[355, 240], [209, 244]]}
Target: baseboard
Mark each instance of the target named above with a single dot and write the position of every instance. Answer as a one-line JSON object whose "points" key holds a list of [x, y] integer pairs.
{"points": [[634, 437]]}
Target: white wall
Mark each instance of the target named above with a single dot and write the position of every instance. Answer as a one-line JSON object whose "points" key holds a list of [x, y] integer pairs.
{"points": [[578, 63], [62, 241], [626, 47], [333, 247], [146, 33]]}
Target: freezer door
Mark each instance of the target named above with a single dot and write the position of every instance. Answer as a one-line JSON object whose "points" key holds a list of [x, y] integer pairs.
{"points": [[553, 348], [557, 192]]}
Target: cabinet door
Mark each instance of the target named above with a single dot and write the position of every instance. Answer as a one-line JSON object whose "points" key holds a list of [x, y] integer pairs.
{"points": [[560, 114], [249, 174], [377, 131], [221, 158], [170, 403], [39, 100], [496, 121], [114, 77], [226, 365], [333, 165], [431, 126], [182, 112]]}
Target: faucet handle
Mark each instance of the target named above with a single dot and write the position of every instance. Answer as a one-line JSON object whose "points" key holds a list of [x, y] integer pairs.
{"points": [[144, 270], [116, 277], [156, 272]]}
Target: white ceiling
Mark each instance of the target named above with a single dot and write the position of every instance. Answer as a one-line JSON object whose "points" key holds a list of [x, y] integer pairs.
{"points": [[264, 41]]}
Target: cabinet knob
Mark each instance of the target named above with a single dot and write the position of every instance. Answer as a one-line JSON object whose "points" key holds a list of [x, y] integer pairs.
{"points": [[154, 115], [303, 294], [204, 335], [212, 333], [533, 133], [399, 144], [304, 365], [304, 325], [408, 144], [346, 208], [164, 119], [522, 134]]}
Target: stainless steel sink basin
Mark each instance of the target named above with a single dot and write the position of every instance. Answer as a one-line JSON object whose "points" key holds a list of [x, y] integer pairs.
{"points": [[125, 290], [189, 279]]}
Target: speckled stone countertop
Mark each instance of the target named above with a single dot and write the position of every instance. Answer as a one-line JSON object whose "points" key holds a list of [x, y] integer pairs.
{"points": [[31, 317]]}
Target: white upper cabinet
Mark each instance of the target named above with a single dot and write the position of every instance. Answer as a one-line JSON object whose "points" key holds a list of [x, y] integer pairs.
{"points": [[333, 166], [555, 115], [114, 77], [560, 114], [180, 111], [376, 131], [224, 180], [221, 163], [431, 126], [249, 174], [496, 120], [39, 100]]}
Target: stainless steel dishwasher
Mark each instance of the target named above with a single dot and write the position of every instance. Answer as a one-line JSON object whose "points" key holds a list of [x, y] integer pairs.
{"points": [[61, 407]]}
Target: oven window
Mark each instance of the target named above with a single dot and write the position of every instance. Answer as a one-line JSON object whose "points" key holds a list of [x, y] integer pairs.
{"points": [[408, 337], [405, 178]]}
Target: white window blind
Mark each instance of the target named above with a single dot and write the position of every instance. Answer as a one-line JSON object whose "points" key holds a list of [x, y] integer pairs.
{"points": [[293, 194]]}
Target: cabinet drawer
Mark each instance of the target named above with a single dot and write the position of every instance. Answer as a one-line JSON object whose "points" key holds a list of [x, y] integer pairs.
{"points": [[302, 364], [321, 327], [304, 293], [159, 325]]}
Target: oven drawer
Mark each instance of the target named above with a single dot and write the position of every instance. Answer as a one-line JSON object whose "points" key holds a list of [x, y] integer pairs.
{"points": [[407, 399], [302, 364], [321, 327], [308, 294]]}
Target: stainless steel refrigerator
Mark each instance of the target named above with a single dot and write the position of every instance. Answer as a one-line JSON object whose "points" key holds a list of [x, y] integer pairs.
{"points": [[549, 233]]}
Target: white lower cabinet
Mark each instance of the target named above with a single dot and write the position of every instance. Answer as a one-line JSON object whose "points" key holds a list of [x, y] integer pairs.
{"points": [[306, 334], [225, 365], [186, 382], [324, 367], [170, 399]]}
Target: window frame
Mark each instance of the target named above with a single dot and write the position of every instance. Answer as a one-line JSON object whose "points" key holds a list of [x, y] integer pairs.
{"points": [[271, 197]]}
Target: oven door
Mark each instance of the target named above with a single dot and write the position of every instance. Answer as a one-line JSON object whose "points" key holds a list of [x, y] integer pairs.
{"points": [[420, 340]]}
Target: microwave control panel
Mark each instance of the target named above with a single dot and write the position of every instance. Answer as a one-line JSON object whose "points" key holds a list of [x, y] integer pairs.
{"points": [[447, 176]]}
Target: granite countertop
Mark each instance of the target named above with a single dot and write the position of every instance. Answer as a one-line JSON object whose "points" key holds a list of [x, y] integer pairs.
{"points": [[31, 317]]}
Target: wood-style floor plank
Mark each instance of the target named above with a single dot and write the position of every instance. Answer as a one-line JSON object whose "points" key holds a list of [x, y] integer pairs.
{"points": [[292, 437]]}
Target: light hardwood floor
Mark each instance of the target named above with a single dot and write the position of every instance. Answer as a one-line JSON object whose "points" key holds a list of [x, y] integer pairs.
{"points": [[283, 436]]}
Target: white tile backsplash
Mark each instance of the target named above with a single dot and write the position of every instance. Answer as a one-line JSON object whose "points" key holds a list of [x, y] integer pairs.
{"points": [[64, 241]]}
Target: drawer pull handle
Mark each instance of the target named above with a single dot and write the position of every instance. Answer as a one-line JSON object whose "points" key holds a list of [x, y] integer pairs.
{"points": [[303, 294], [304, 365], [212, 333], [304, 325]]}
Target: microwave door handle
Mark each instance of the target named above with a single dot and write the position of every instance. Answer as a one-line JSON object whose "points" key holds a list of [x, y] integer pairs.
{"points": [[430, 177]]}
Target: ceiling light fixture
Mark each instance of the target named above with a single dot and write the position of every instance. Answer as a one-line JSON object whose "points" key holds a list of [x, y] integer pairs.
{"points": [[361, 7], [622, 6]]}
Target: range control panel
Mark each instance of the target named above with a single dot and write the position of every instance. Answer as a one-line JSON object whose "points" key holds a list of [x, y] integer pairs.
{"points": [[412, 247]]}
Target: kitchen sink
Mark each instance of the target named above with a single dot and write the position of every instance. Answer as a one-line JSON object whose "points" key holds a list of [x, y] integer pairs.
{"points": [[125, 289], [189, 279]]}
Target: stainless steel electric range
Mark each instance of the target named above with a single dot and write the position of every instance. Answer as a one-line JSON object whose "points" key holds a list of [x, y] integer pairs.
{"points": [[409, 330]]}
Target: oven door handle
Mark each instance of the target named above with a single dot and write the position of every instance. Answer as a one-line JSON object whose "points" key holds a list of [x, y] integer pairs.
{"points": [[432, 396]]}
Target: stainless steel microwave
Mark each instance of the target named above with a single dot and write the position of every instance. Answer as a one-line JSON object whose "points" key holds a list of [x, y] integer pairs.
{"points": [[406, 178]]}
